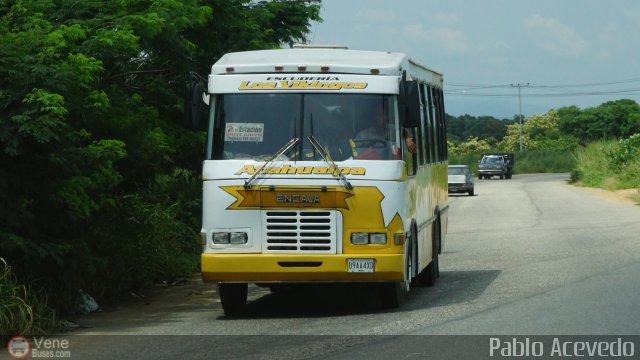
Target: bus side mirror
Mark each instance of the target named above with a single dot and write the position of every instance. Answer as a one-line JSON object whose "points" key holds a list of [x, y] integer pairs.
{"points": [[194, 97], [410, 103]]}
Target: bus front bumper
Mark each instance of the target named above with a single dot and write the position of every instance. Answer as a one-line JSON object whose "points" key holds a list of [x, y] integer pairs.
{"points": [[297, 268]]}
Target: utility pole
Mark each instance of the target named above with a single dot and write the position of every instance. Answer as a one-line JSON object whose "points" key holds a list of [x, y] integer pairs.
{"points": [[316, 2], [519, 86]]}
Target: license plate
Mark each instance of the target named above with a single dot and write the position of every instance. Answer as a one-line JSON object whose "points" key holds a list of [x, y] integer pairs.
{"points": [[361, 265]]}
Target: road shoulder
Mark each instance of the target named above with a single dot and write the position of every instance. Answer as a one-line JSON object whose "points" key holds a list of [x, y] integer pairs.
{"points": [[624, 196], [154, 304]]}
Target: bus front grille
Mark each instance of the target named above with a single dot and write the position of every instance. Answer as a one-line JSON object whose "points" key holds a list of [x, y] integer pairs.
{"points": [[299, 231]]}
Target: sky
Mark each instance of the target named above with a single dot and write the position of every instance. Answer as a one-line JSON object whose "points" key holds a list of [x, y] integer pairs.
{"points": [[563, 52]]}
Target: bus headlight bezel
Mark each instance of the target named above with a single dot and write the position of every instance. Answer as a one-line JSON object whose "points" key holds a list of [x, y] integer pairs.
{"points": [[230, 238], [363, 238]]}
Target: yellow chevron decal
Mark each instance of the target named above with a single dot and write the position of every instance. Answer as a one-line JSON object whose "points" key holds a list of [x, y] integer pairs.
{"points": [[288, 197], [361, 207]]}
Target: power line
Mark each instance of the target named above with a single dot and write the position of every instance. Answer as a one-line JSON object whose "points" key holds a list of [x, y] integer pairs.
{"points": [[590, 84], [613, 82], [545, 90], [633, 91]]}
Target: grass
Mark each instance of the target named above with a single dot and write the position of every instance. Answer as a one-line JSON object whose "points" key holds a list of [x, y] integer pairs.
{"points": [[592, 166], [23, 309], [528, 162], [635, 198], [595, 168]]}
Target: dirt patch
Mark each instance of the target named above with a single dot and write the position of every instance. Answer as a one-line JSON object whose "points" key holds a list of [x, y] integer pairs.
{"points": [[631, 194], [149, 304], [625, 196]]}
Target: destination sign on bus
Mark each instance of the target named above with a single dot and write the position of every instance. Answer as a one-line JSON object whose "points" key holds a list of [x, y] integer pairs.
{"points": [[301, 85]]}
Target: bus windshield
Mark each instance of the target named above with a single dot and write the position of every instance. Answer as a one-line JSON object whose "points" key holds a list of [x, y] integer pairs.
{"points": [[348, 126]]}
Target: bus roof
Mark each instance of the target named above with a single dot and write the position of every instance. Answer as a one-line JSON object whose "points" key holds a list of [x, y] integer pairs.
{"points": [[322, 60]]}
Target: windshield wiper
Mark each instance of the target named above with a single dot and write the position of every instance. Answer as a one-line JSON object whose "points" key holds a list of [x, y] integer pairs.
{"points": [[316, 145], [283, 150]]}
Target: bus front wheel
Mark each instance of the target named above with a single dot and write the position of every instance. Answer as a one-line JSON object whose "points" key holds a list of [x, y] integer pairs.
{"points": [[392, 295], [233, 298]]}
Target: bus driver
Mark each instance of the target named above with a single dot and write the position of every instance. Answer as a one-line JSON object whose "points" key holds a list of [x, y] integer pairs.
{"points": [[370, 143]]}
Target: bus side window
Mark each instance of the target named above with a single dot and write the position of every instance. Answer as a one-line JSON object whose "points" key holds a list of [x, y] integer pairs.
{"points": [[433, 104], [410, 158], [423, 146], [443, 126], [428, 125], [413, 160], [440, 132]]}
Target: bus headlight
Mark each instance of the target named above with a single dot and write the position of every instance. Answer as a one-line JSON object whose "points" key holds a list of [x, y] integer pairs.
{"points": [[238, 238], [378, 238], [359, 238], [221, 238]]}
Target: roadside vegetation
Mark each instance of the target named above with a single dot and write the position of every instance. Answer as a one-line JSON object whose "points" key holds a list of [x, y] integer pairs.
{"points": [[612, 165], [599, 146], [100, 181], [23, 309]]}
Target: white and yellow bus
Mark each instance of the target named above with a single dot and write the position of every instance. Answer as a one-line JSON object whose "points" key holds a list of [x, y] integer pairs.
{"points": [[308, 178]]}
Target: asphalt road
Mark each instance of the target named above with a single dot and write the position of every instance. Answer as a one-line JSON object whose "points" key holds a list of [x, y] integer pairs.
{"points": [[532, 255]]}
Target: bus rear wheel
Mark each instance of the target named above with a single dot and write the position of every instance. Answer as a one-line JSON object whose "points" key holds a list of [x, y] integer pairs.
{"points": [[233, 298], [430, 274]]}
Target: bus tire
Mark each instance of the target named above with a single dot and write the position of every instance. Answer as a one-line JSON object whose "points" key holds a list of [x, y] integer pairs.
{"points": [[233, 298], [392, 295], [430, 274], [413, 256]]}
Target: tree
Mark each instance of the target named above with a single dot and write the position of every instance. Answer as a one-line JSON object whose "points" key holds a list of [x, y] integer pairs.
{"points": [[484, 127], [472, 145], [99, 183], [619, 119], [539, 132]]}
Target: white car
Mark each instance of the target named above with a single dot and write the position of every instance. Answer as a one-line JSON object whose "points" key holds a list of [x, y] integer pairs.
{"points": [[460, 179]]}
